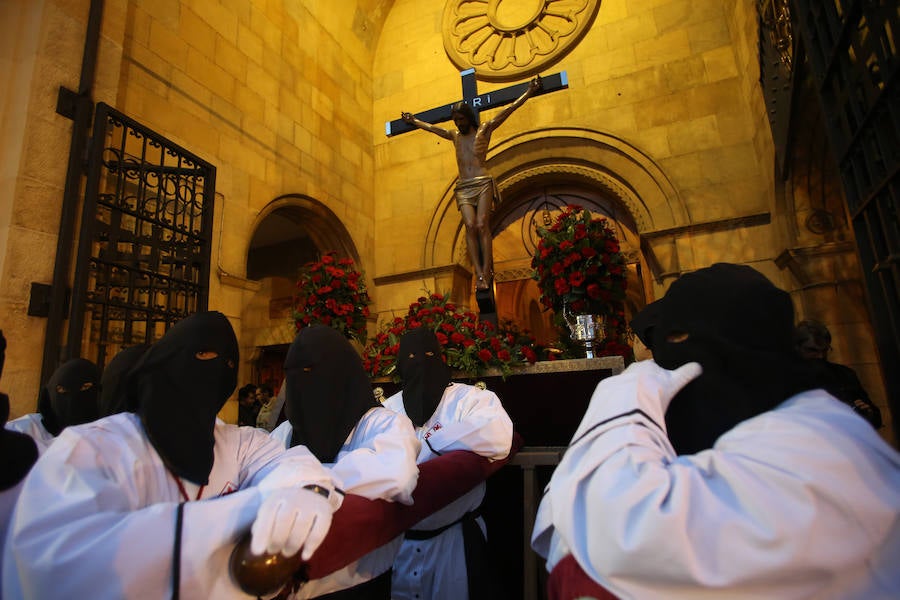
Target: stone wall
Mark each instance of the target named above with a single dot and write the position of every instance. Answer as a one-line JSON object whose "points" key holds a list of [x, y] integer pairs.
{"points": [[278, 96], [663, 113], [674, 80]]}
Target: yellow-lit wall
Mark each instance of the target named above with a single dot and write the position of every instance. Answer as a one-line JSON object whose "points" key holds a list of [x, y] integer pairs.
{"points": [[674, 79], [278, 96], [291, 97]]}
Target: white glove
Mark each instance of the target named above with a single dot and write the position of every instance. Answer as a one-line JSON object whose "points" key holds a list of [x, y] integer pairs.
{"points": [[657, 386], [290, 519], [643, 386]]}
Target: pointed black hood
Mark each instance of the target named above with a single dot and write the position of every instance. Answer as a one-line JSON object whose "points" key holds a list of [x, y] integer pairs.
{"points": [[112, 382], [738, 326], [178, 387], [70, 396], [423, 373], [327, 390]]}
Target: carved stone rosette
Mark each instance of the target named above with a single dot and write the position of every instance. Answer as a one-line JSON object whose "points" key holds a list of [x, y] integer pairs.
{"points": [[504, 40]]}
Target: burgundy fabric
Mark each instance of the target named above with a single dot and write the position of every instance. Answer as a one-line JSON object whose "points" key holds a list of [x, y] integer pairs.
{"points": [[362, 525], [568, 581]]}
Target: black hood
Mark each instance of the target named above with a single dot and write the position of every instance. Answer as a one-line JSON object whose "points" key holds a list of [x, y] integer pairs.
{"points": [[423, 373], [18, 450], [738, 326], [70, 396], [327, 390], [178, 387], [112, 382]]}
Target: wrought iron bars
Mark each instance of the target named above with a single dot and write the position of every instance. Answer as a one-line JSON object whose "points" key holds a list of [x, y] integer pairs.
{"points": [[145, 243]]}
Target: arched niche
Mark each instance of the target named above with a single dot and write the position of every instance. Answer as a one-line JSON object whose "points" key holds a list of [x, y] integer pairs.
{"points": [[289, 232], [537, 173], [564, 156], [299, 229]]}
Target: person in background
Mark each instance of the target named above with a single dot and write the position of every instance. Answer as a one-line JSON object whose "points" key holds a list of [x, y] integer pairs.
{"points": [[716, 470], [68, 398], [112, 388], [270, 407], [150, 502], [444, 557], [332, 411], [812, 341], [248, 407]]}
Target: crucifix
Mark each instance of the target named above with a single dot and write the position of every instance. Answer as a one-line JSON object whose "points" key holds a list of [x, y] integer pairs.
{"points": [[476, 190]]}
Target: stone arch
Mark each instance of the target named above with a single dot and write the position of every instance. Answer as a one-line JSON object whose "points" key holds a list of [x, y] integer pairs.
{"points": [[323, 227], [298, 229], [557, 156]]}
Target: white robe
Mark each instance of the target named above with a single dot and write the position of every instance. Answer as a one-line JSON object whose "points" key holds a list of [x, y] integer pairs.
{"points": [[802, 501], [96, 517], [8, 499], [32, 425], [467, 418], [378, 461]]}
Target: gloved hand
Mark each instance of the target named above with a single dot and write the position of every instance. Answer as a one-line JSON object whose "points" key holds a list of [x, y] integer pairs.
{"points": [[644, 386], [657, 386], [290, 519]]}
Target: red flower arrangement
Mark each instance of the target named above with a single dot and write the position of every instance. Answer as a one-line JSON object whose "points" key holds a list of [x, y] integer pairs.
{"points": [[578, 264], [333, 293], [470, 346]]}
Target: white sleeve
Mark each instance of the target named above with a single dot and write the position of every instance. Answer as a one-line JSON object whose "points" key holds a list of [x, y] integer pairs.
{"points": [[381, 462], [293, 467], [763, 505], [282, 434], [84, 528], [474, 420]]}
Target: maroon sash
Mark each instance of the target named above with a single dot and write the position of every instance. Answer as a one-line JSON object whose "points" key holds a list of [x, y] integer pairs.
{"points": [[568, 581], [362, 525]]}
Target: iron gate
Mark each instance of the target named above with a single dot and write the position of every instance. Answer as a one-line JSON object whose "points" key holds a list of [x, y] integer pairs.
{"points": [[852, 51], [145, 243]]}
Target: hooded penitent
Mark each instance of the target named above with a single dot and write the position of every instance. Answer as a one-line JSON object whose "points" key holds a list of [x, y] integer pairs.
{"points": [[178, 387], [70, 396], [328, 390], [17, 449], [738, 326], [423, 373], [112, 382]]}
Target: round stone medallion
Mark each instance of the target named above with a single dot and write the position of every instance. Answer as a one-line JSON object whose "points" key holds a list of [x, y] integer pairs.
{"points": [[504, 40]]}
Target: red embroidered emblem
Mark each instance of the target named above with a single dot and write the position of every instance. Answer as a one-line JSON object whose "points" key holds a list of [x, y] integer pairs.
{"points": [[435, 427], [229, 488]]}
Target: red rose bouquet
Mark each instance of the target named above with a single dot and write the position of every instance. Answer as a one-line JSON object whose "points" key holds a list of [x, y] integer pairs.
{"points": [[470, 346], [578, 265], [333, 293]]}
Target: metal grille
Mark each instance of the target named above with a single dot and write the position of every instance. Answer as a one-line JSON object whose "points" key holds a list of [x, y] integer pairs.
{"points": [[776, 70], [144, 249], [852, 50]]}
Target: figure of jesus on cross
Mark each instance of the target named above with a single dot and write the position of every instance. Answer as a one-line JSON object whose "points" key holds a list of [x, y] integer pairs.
{"points": [[476, 190]]}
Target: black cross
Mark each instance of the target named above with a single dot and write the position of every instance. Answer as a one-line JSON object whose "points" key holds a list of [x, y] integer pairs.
{"points": [[479, 102], [559, 81]]}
